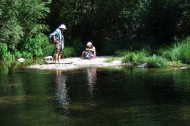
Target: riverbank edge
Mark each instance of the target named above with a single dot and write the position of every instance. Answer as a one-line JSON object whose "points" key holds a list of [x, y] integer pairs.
{"points": [[77, 63]]}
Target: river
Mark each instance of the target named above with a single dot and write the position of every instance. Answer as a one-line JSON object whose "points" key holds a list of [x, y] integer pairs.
{"points": [[95, 97]]}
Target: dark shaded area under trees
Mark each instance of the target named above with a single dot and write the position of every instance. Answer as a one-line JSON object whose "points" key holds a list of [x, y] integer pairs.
{"points": [[121, 24]]}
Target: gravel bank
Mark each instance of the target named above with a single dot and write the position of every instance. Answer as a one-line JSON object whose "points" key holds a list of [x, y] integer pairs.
{"points": [[76, 63]]}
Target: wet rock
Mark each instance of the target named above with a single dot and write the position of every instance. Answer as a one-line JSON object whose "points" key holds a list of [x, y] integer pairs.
{"points": [[184, 68]]}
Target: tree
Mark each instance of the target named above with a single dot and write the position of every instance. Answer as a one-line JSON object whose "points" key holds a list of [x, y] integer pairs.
{"points": [[10, 30], [182, 28], [21, 19], [159, 19]]}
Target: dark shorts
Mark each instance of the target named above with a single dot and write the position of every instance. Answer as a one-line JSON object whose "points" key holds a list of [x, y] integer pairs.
{"points": [[58, 46]]}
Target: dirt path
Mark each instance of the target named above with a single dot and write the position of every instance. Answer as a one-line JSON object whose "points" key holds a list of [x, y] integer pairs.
{"points": [[76, 63]]}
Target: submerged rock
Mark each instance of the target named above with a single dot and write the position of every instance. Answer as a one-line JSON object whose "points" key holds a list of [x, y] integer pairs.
{"points": [[142, 65]]}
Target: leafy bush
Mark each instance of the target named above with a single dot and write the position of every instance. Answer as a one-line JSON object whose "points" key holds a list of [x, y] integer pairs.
{"points": [[18, 54], [3, 50], [47, 48], [68, 52], [35, 46], [27, 54], [4, 53]]}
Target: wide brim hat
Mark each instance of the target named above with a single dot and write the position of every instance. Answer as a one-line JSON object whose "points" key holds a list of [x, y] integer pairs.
{"points": [[63, 26]]}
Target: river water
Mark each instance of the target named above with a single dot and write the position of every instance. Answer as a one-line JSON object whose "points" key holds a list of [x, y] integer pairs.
{"points": [[95, 97]]}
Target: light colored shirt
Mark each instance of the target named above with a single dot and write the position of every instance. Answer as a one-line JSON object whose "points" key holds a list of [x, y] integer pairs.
{"points": [[59, 36]]}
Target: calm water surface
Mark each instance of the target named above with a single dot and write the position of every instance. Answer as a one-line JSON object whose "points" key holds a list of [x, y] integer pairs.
{"points": [[95, 97]]}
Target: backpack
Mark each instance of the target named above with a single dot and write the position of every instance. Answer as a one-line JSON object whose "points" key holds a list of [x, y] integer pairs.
{"points": [[50, 37]]}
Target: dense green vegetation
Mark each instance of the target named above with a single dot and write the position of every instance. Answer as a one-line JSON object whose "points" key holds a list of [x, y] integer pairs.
{"points": [[156, 28]]}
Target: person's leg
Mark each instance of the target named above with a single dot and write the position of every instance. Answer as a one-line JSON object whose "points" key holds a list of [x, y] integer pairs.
{"points": [[56, 57], [59, 57], [58, 52]]}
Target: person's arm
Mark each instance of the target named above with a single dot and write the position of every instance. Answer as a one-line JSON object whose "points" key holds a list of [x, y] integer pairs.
{"points": [[92, 50], [54, 39]]}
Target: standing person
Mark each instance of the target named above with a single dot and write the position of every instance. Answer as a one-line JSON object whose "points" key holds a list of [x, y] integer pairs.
{"points": [[58, 38], [90, 52]]}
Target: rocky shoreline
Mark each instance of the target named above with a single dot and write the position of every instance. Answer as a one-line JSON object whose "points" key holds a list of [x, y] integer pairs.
{"points": [[77, 63]]}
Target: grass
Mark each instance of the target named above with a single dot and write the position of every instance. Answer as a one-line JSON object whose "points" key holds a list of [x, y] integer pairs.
{"points": [[110, 60], [179, 51], [176, 64], [176, 55], [157, 61], [135, 57]]}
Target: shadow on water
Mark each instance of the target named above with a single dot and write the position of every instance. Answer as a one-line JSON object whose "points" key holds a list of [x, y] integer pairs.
{"points": [[12, 66], [94, 96]]}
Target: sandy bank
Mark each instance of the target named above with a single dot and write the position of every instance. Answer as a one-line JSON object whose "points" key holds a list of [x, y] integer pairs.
{"points": [[76, 63]]}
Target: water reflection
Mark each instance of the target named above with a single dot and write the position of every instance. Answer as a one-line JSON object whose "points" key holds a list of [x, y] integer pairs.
{"points": [[91, 80], [98, 97], [91, 77], [62, 98]]}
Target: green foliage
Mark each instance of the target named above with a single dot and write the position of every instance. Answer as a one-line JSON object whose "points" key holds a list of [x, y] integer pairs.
{"points": [[4, 69], [110, 24], [32, 47], [111, 59], [183, 25], [157, 61], [120, 53], [22, 19], [48, 50], [119, 48], [68, 52], [12, 65], [18, 54], [178, 52], [176, 64], [135, 57], [109, 48], [3, 50], [10, 29], [159, 19], [77, 46], [4, 53], [31, 16]]}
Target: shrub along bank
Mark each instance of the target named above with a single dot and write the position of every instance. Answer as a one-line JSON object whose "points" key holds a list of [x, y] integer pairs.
{"points": [[177, 54]]}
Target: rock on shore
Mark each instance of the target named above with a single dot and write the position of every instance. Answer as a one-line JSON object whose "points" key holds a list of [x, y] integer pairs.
{"points": [[76, 63]]}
